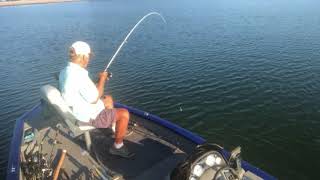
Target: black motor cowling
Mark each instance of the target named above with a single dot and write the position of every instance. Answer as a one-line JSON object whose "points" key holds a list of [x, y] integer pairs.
{"points": [[207, 163]]}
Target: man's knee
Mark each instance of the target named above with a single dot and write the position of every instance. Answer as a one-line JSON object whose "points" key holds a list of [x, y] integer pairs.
{"points": [[123, 114]]}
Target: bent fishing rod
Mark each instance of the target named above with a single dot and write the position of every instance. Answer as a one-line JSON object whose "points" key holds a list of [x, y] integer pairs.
{"points": [[128, 35]]}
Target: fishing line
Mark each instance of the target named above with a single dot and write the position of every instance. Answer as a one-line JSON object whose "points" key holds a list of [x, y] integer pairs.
{"points": [[128, 35]]}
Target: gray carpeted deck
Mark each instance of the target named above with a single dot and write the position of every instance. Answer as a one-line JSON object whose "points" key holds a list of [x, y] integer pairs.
{"points": [[155, 157], [150, 151]]}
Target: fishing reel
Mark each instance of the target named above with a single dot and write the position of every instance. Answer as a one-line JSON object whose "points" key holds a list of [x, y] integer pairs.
{"points": [[109, 75], [96, 79]]}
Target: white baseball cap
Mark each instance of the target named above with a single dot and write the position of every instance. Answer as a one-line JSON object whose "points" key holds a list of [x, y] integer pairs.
{"points": [[81, 48]]}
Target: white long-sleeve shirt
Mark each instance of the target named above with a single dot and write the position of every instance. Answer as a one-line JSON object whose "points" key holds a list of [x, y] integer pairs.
{"points": [[79, 92]]}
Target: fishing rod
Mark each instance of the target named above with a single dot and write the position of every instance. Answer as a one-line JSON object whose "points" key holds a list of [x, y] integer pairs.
{"points": [[128, 35]]}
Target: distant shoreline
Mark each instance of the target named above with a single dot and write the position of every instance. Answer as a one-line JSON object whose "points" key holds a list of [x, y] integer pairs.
{"points": [[28, 2]]}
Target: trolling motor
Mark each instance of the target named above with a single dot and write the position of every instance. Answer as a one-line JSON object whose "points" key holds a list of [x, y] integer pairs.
{"points": [[235, 162], [208, 163]]}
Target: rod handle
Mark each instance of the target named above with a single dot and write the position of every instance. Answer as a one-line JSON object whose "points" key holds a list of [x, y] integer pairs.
{"points": [[57, 170]]}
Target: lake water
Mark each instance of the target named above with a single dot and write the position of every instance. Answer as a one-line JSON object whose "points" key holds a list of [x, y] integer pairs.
{"points": [[237, 72]]}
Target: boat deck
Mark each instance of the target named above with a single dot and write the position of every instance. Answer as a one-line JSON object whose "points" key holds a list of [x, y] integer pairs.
{"points": [[154, 156], [148, 149]]}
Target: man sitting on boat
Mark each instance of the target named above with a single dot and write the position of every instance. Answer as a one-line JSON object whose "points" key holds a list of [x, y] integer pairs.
{"points": [[87, 100]]}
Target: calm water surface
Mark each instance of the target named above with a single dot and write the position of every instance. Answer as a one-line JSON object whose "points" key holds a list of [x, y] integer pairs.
{"points": [[244, 72]]}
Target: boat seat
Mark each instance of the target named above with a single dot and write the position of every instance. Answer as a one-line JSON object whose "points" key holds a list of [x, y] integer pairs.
{"points": [[53, 98]]}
